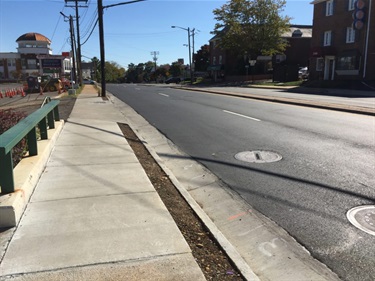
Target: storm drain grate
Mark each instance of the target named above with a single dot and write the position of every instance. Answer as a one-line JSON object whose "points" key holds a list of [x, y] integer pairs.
{"points": [[363, 217], [258, 156]]}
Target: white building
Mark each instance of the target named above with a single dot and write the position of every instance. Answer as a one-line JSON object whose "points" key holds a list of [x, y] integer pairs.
{"points": [[34, 57]]}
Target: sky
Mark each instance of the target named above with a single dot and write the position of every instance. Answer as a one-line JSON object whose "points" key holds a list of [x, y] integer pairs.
{"points": [[131, 32]]}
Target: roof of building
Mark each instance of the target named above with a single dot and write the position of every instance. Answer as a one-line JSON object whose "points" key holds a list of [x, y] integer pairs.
{"points": [[33, 36], [295, 31], [301, 31]]}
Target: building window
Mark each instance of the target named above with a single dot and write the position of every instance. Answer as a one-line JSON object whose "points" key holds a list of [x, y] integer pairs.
{"points": [[350, 35], [214, 61], [351, 5], [31, 64], [349, 62], [319, 64], [220, 59], [329, 8], [11, 62], [327, 38]]}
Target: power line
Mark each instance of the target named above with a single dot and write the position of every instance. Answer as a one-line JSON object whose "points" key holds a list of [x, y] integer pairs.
{"points": [[93, 28], [90, 24]]}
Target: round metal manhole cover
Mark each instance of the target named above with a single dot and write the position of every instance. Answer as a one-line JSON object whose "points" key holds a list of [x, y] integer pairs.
{"points": [[258, 156], [363, 217]]}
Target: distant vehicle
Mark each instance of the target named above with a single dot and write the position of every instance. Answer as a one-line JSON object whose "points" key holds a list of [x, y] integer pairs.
{"points": [[88, 81], [173, 80], [50, 84], [67, 84], [303, 73]]}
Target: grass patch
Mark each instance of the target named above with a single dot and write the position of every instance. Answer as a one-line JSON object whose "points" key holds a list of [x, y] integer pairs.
{"points": [[280, 84]]}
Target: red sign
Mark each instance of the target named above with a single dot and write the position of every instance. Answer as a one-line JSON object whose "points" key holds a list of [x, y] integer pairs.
{"points": [[65, 54]]}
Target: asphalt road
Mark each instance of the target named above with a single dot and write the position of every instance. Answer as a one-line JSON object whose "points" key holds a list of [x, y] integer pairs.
{"points": [[327, 166]]}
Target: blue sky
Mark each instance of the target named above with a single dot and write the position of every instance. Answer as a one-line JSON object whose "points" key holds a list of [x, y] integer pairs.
{"points": [[132, 31]]}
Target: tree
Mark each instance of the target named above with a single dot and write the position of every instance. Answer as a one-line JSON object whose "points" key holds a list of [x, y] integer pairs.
{"points": [[96, 63], [252, 27], [202, 58], [175, 69], [113, 72]]}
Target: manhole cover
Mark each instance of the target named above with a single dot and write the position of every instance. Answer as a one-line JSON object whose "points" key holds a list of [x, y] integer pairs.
{"points": [[258, 156], [363, 217]]}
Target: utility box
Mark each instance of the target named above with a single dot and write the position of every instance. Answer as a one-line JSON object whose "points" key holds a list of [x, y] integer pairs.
{"points": [[72, 91]]}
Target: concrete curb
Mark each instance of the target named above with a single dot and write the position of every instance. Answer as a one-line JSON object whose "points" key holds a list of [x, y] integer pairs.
{"points": [[224, 243], [230, 250], [292, 101], [26, 176], [289, 259]]}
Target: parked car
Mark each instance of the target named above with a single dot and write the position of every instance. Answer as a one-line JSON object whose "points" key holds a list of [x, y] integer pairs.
{"points": [[173, 80], [88, 81], [303, 73]]}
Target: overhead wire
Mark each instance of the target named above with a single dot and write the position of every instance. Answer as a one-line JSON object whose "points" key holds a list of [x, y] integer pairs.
{"points": [[93, 28]]}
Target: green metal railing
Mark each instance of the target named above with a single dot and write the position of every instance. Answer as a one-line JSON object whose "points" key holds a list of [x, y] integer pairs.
{"points": [[46, 115]]}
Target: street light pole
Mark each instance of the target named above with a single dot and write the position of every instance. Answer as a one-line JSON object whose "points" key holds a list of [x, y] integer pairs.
{"points": [[188, 31]]}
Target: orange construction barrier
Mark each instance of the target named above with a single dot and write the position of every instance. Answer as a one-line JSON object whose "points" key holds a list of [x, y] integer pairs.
{"points": [[1, 94]]}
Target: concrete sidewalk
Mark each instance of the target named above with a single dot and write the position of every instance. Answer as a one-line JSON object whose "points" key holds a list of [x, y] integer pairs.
{"points": [[94, 214], [359, 102]]}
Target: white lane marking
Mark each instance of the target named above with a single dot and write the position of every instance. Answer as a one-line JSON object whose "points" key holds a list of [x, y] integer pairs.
{"points": [[244, 116], [163, 94]]}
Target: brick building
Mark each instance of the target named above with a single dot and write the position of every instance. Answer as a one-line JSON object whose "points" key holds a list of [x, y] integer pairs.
{"points": [[224, 63], [343, 40]]}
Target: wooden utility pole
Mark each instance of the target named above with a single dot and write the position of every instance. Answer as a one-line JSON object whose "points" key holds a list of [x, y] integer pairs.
{"points": [[101, 42], [79, 58], [101, 38]]}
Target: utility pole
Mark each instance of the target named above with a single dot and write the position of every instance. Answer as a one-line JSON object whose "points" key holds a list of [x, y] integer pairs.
{"points": [[101, 42], [72, 43], [193, 62], [189, 35], [155, 58], [79, 59], [101, 38]]}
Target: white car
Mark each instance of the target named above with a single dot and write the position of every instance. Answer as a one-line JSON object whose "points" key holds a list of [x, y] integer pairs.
{"points": [[303, 73]]}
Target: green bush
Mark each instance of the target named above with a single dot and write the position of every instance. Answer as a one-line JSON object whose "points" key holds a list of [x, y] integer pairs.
{"points": [[9, 118]]}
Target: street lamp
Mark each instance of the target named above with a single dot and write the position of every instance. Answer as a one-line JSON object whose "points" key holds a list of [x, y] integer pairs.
{"points": [[188, 31]]}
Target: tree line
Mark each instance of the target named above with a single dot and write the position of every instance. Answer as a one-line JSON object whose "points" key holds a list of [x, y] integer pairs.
{"points": [[248, 28]]}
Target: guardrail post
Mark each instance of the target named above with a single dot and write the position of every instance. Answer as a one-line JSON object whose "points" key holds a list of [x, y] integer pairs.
{"points": [[51, 120], [32, 142], [6, 168], [56, 113], [43, 129]]}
